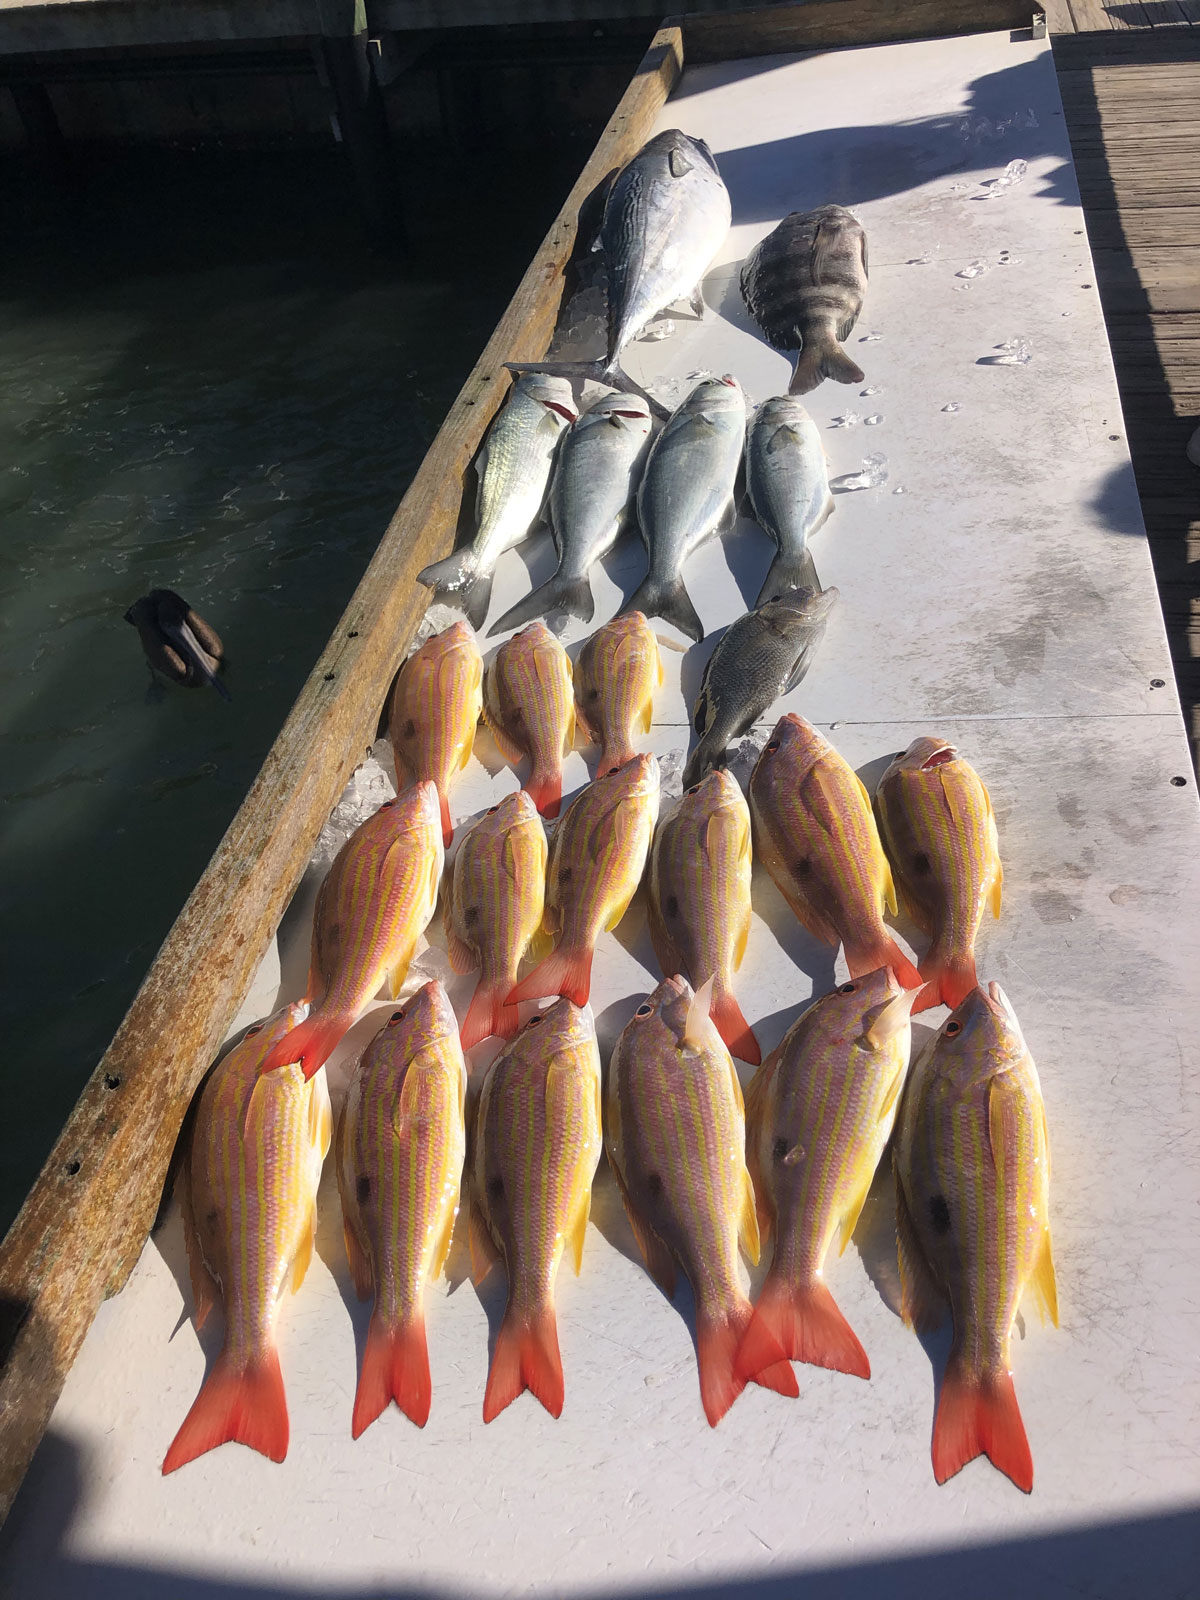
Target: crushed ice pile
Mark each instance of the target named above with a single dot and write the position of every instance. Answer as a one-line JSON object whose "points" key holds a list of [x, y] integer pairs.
{"points": [[369, 786], [873, 475], [670, 773], [662, 329], [1013, 173], [1012, 353], [745, 757]]}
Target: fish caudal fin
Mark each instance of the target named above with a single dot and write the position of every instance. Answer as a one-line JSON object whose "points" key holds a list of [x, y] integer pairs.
{"points": [[788, 573], [545, 790], [734, 1029], [885, 952], [564, 971], [309, 1044], [246, 1406], [949, 980], [489, 1014], [395, 1366], [822, 359], [668, 600], [717, 1342], [526, 1357], [456, 582], [572, 595], [600, 371], [980, 1418], [805, 1322]]}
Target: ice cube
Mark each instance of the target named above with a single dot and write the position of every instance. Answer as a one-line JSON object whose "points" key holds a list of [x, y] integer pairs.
{"points": [[663, 329], [872, 422], [872, 475], [973, 269], [848, 419], [952, 405], [1012, 353]]}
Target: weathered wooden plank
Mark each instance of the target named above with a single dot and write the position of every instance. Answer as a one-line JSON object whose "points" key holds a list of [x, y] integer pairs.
{"points": [[1058, 16], [827, 24], [1160, 280], [1090, 16], [86, 1219], [1139, 139], [1168, 109], [1165, 14], [1135, 228]]}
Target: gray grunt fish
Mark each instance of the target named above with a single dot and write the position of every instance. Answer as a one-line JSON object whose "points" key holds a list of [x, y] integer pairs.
{"points": [[514, 469], [687, 495], [763, 655], [591, 500], [788, 487], [804, 285], [666, 217]]}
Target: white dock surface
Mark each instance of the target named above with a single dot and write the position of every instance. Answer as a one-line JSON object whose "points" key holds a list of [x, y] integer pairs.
{"points": [[1004, 600]]}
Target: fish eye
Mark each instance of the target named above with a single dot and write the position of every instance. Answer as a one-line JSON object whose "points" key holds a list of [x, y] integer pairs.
{"points": [[644, 1010], [611, 770], [848, 988], [773, 744], [386, 804], [396, 1016], [951, 1029], [533, 1021], [695, 789], [492, 810], [257, 1028]]}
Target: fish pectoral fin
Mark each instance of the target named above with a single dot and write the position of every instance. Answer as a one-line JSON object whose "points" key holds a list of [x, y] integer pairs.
{"points": [[660, 1263], [699, 1033], [646, 715], [484, 1254], [505, 743], [1045, 1286], [541, 944], [304, 1252], [462, 957], [748, 1221], [783, 437], [396, 974], [999, 1124], [361, 1272], [891, 1020], [619, 910], [922, 1303]]}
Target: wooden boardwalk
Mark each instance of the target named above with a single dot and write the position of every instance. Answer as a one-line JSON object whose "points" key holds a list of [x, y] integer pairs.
{"points": [[1130, 81]]}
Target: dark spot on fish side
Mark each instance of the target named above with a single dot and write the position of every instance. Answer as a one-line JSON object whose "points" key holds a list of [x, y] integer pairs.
{"points": [[471, 916], [518, 715], [654, 1184], [410, 729], [564, 875], [779, 1149], [672, 906], [939, 1214], [210, 1220], [803, 867], [495, 1189], [921, 863], [592, 694], [362, 1189]]}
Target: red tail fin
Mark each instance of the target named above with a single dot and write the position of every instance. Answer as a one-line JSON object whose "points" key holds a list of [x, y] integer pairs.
{"points": [[564, 971], [733, 1027], [447, 825], [717, 1341], [488, 1014], [395, 1366], [884, 953], [803, 1321], [311, 1043], [950, 979], [980, 1417], [545, 790], [526, 1357], [247, 1406]]}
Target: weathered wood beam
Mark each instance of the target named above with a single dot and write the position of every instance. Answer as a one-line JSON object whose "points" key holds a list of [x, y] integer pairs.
{"points": [[831, 24]]}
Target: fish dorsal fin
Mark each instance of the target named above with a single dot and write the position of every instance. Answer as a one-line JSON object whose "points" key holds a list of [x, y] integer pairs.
{"points": [[646, 715], [397, 972], [1045, 1286], [698, 1031], [484, 1254], [748, 1222], [922, 1303], [993, 839], [320, 1114], [783, 436], [887, 1105], [892, 1019], [205, 1292]]}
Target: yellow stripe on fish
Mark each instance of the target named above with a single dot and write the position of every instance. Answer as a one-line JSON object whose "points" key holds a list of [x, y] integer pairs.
{"points": [[436, 705], [536, 1146], [972, 1164], [699, 893], [938, 828], [248, 1192], [493, 909], [400, 1146], [616, 674], [676, 1138], [529, 705], [815, 834]]}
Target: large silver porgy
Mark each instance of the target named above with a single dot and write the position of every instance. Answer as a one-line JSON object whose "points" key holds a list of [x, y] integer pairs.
{"points": [[762, 656], [687, 495], [595, 477], [514, 469], [804, 286], [788, 486], [666, 217]]}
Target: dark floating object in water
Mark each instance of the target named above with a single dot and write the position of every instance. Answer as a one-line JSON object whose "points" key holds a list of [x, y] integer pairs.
{"points": [[177, 642]]}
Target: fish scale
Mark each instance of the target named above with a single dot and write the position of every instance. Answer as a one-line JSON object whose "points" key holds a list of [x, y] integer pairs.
{"points": [[436, 704], [529, 704]]}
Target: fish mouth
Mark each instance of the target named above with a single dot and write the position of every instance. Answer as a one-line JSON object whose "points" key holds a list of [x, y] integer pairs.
{"points": [[1001, 1004], [940, 758]]}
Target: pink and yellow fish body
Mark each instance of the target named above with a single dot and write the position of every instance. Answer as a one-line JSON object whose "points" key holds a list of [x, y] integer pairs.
{"points": [[815, 834], [376, 901], [436, 705], [248, 1191], [676, 1140], [972, 1164], [819, 1112], [699, 897], [939, 830], [536, 1146], [401, 1141], [529, 704], [493, 910], [596, 862], [617, 672]]}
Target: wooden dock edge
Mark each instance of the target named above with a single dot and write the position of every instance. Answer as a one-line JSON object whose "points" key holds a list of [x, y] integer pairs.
{"points": [[87, 1217]]}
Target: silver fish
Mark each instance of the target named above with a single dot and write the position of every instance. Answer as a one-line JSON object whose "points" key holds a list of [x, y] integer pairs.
{"points": [[687, 495], [804, 286], [763, 655], [596, 474], [514, 474], [788, 488], [666, 216]]}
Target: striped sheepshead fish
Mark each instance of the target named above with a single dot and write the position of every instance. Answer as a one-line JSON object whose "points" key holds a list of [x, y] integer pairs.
{"points": [[248, 1193], [376, 901], [938, 828], [815, 834], [804, 286], [596, 863], [676, 1140], [436, 704], [700, 898], [529, 704], [400, 1147], [972, 1162], [818, 1115], [537, 1142], [493, 910], [617, 672]]}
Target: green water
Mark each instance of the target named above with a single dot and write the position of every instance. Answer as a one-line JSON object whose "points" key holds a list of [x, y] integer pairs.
{"points": [[209, 383]]}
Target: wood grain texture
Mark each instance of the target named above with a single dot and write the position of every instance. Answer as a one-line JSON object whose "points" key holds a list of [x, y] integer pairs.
{"points": [[828, 24], [86, 1219]]}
